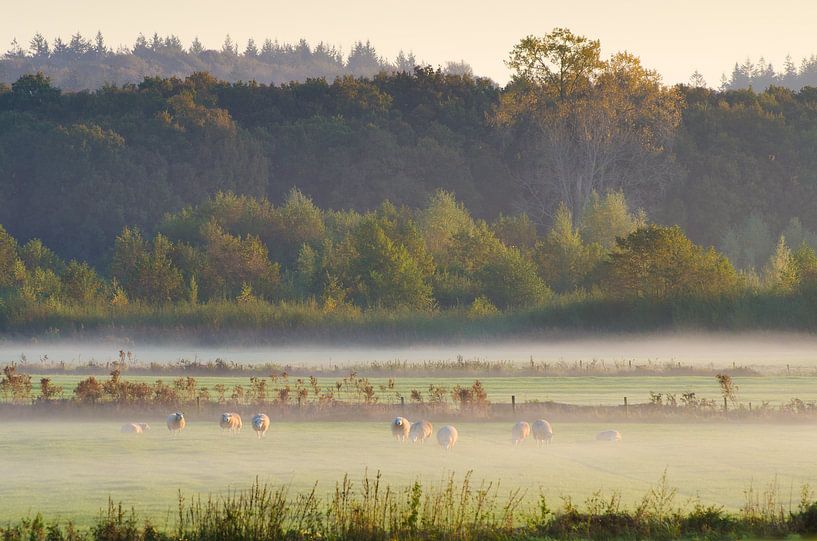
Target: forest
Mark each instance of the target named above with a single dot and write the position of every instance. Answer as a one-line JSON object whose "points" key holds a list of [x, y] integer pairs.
{"points": [[81, 63], [584, 179]]}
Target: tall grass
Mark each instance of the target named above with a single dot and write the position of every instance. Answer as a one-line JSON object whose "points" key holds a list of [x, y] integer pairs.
{"points": [[260, 320], [456, 509]]}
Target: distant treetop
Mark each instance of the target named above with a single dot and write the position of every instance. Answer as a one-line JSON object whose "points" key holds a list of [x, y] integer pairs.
{"points": [[82, 63], [762, 75]]}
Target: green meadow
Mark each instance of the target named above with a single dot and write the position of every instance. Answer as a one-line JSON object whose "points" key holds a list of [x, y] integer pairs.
{"points": [[68, 471], [593, 390]]}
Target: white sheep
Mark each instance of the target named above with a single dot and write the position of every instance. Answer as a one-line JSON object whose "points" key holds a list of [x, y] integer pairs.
{"points": [[520, 432], [260, 423], [542, 432], [231, 422], [447, 437], [420, 431], [400, 427], [609, 435], [176, 422], [135, 428]]}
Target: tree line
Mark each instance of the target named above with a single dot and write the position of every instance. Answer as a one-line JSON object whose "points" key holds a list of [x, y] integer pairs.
{"points": [[248, 252], [83, 63], [761, 74], [88, 63]]}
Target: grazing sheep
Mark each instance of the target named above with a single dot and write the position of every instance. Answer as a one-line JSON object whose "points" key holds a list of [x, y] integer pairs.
{"points": [[231, 422], [420, 431], [521, 430], [609, 435], [542, 432], [400, 427], [135, 428], [176, 422], [260, 423], [447, 437]]}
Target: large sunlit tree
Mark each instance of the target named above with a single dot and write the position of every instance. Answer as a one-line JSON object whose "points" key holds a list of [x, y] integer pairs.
{"points": [[579, 124]]}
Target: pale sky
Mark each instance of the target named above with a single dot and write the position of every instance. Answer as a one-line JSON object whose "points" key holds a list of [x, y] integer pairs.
{"points": [[673, 37]]}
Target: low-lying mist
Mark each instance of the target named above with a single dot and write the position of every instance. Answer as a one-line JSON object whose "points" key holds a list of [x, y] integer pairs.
{"points": [[761, 349]]}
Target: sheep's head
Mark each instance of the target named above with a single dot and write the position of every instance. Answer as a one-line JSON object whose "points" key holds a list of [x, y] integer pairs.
{"points": [[145, 426], [226, 417], [178, 415], [398, 421]]}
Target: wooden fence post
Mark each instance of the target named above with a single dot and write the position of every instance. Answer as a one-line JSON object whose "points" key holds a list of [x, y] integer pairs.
{"points": [[403, 406], [725, 406], [513, 403], [626, 408]]}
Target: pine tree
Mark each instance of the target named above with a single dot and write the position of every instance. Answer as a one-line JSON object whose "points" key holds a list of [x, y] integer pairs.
{"points": [[99, 44], [229, 47], [697, 80], [778, 271], [196, 47], [251, 51], [39, 47]]}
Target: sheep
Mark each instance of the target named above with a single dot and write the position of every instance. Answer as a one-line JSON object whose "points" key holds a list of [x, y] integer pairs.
{"points": [[542, 432], [176, 423], [420, 431], [609, 435], [260, 423], [135, 428], [400, 427], [520, 431], [231, 422], [447, 437]]}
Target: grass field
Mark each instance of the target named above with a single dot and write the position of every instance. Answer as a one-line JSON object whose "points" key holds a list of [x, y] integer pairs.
{"points": [[572, 390], [68, 470]]}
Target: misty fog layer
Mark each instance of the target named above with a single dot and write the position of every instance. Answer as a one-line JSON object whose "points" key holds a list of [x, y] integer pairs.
{"points": [[699, 349]]}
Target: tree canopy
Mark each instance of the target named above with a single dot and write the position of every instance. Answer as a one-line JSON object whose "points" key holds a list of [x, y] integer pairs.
{"points": [[734, 168]]}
